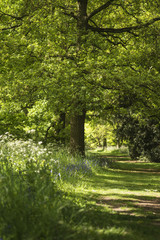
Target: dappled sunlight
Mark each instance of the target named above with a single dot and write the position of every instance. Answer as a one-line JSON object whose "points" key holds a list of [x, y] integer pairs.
{"points": [[128, 193], [94, 233], [125, 181]]}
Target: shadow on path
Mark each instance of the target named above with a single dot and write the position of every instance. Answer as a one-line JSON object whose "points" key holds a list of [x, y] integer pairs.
{"points": [[129, 192]]}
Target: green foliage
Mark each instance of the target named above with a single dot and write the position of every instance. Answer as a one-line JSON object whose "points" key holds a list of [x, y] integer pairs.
{"points": [[110, 62], [142, 136]]}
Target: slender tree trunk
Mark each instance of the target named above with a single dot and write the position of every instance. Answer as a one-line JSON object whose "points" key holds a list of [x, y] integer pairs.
{"points": [[104, 143]]}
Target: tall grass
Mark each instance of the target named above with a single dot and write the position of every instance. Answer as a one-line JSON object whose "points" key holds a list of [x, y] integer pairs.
{"points": [[35, 188]]}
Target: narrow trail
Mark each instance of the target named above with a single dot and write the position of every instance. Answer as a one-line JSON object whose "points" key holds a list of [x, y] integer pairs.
{"points": [[131, 188], [147, 200], [123, 200]]}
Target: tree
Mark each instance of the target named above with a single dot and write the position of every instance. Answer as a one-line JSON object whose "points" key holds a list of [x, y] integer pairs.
{"points": [[141, 134], [138, 118], [99, 133], [69, 51]]}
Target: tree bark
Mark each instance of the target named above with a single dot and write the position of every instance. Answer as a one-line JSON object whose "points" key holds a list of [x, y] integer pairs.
{"points": [[77, 134], [104, 143], [77, 144]]}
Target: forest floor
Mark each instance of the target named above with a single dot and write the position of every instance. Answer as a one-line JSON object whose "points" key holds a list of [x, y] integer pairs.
{"points": [[126, 198]]}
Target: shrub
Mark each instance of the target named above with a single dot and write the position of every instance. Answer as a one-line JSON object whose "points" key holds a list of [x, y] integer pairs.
{"points": [[154, 154], [142, 135]]}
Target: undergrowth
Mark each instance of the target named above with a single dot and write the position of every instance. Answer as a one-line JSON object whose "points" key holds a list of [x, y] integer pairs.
{"points": [[36, 185]]}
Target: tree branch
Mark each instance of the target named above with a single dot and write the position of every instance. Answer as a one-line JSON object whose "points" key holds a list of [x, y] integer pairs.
{"points": [[67, 12], [71, 14], [96, 11], [107, 36], [154, 90], [12, 16], [12, 27], [122, 30]]}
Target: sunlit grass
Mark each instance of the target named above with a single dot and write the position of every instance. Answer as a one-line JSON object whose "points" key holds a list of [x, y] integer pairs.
{"points": [[111, 150], [130, 196], [45, 193]]}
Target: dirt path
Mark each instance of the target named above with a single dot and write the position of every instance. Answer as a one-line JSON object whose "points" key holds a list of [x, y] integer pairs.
{"points": [[138, 189], [134, 207]]}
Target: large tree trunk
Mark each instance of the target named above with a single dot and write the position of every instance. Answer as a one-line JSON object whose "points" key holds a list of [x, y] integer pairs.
{"points": [[78, 118], [77, 144]]}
